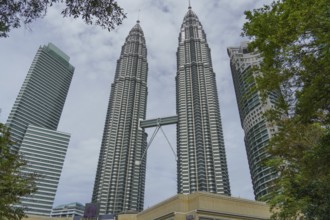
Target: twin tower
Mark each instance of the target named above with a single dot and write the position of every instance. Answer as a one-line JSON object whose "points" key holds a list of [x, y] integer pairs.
{"points": [[201, 165]]}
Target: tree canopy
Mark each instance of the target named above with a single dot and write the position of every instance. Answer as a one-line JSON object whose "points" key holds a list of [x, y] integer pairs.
{"points": [[13, 183], [293, 37], [105, 13]]}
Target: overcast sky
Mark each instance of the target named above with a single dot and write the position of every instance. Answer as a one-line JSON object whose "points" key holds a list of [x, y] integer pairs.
{"points": [[94, 53]]}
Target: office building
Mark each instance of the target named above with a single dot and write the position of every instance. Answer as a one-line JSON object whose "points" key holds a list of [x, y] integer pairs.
{"points": [[120, 178], [33, 122], [68, 210], [201, 153], [251, 109]]}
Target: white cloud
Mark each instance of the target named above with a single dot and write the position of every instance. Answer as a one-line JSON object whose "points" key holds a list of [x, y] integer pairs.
{"points": [[94, 53]]}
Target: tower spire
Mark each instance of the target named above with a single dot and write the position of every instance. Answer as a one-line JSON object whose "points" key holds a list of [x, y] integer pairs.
{"points": [[189, 4], [138, 20]]}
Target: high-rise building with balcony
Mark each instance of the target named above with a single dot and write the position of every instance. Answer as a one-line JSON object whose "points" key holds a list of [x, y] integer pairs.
{"points": [[251, 109], [33, 122], [120, 180], [202, 164]]}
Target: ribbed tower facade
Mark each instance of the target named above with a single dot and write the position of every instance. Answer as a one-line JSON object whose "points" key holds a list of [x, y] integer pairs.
{"points": [[202, 162], [120, 180], [251, 109], [33, 122]]}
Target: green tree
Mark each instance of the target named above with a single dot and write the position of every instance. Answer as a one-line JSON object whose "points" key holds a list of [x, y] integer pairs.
{"points": [[293, 37], [105, 13], [13, 182], [300, 154]]}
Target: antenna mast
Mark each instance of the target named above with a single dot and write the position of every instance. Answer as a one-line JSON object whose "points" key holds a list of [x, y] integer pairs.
{"points": [[138, 20]]}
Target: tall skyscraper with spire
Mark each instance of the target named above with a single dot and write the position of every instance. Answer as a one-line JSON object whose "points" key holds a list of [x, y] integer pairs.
{"points": [[33, 121], [202, 162], [119, 183]]}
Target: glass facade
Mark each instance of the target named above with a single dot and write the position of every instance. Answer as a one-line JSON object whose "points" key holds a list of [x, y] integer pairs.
{"points": [[68, 210], [33, 122], [251, 108], [45, 151]]}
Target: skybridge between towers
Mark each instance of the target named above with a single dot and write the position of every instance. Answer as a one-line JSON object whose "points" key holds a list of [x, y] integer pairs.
{"points": [[149, 123], [158, 123]]}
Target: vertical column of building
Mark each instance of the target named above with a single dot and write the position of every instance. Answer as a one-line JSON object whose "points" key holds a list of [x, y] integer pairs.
{"points": [[119, 182], [202, 162], [33, 122], [251, 108]]}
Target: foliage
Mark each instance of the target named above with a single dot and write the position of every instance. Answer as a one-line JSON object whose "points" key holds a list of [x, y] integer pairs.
{"points": [[301, 155], [105, 13], [13, 182], [293, 37]]}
